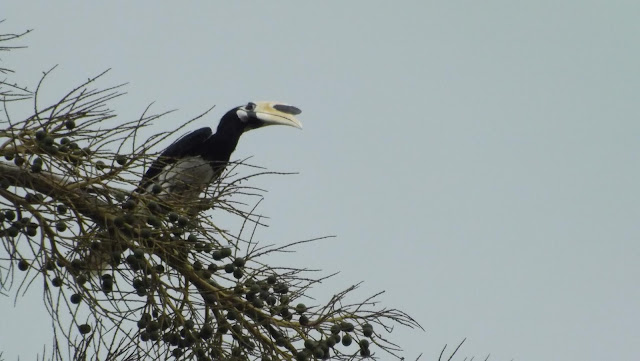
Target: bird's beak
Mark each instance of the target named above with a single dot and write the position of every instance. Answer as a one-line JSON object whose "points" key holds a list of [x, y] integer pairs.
{"points": [[272, 113]]}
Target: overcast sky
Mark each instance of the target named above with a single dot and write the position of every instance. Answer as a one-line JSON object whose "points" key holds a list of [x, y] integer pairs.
{"points": [[478, 160]]}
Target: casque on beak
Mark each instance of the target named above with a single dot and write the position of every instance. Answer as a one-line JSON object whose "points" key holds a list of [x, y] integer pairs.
{"points": [[273, 113]]}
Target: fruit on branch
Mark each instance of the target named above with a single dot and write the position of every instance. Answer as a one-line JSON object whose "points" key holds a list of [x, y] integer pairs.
{"points": [[23, 265], [75, 298], [347, 339], [84, 329], [367, 330]]}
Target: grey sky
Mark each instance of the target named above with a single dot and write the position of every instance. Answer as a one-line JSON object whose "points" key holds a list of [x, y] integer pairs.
{"points": [[477, 160]]}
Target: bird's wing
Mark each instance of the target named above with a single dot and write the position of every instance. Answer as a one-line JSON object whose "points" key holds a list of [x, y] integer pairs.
{"points": [[188, 145]]}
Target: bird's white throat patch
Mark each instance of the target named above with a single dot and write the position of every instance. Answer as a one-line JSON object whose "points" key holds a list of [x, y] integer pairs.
{"points": [[242, 115]]}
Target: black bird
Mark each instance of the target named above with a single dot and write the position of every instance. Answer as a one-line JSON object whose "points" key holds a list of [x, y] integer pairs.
{"points": [[188, 166], [185, 169]]}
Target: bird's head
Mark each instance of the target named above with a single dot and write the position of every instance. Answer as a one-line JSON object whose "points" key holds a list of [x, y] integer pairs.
{"points": [[261, 113]]}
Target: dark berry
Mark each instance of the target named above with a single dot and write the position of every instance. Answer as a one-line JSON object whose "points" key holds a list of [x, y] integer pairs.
{"points": [[23, 265], [367, 330], [81, 279], [301, 308], [183, 221], [10, 215], [18, 161], [61, 226], [75, 298], [84, 329], [121, 159], [346, 326], [239, 262], [225, 252], [129, 204]]}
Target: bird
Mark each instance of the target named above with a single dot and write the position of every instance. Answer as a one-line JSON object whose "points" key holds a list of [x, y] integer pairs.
{"points": [[189, 165]]}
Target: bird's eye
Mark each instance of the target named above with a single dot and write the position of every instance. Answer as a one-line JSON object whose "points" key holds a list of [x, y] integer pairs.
{"points": [[251, 107]]}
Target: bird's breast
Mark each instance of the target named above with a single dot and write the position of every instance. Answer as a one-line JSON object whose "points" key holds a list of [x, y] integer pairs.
{"points": [[187, 175]]}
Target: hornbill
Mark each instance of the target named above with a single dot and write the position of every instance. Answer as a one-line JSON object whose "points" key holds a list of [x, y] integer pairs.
{"points": [[188, 166], [185, 169]]}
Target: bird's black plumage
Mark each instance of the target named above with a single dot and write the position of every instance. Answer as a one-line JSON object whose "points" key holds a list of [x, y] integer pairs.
{"points": [[199, 146], [188, 145], [197, 159], [189, 165]]}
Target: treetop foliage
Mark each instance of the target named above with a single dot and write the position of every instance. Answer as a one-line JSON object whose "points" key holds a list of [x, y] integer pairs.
{"points": [[128, 276]]}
